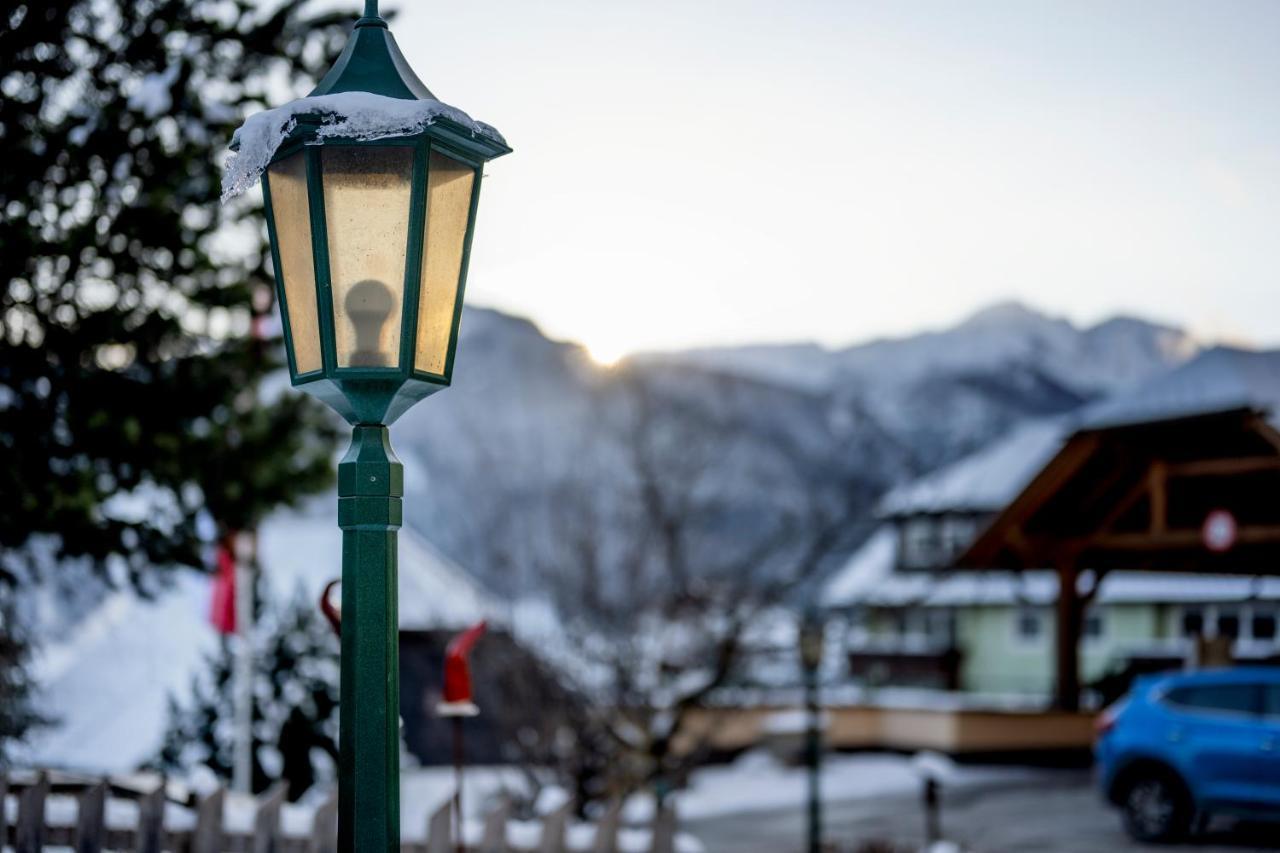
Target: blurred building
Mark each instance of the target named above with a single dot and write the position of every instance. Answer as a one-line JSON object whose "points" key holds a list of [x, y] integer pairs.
{"points": [[914, 619], [106, 685]]}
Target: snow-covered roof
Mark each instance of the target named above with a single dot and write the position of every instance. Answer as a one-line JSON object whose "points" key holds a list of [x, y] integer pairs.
{"points": [[969, 589], [1220, 379], [305, 551], [871, 563], [107, 684], [1217, 380], [984, 481], [870, 578]]}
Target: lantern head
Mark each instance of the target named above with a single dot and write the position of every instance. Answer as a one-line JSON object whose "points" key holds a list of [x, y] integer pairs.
{"points": [[371, 232]]}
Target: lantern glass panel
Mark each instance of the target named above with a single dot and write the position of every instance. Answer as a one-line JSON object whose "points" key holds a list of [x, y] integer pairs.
{"points": [[449, 186], [287, 182], [366, 208]]}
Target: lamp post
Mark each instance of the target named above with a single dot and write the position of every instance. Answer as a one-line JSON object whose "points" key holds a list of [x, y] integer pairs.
{"points": [[370, 239], [812, 638]]}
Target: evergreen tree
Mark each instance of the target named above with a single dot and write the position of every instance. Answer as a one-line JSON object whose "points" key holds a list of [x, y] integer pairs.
{"points": [[129, 367], [295, 689], [15, 687]]}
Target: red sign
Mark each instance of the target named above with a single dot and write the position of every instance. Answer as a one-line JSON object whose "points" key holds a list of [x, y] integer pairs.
{"points": [[457, 675], [1219, 531]]}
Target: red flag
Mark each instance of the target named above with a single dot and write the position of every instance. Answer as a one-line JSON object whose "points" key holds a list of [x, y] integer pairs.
{"points": [[457, 674], [222, 610]]}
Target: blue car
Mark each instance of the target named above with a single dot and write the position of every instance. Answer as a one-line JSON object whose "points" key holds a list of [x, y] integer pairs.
{"points": [[1180, 747]]}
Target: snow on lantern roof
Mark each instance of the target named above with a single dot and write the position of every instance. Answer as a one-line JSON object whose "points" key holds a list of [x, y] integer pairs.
{"points": [[347, 115]]}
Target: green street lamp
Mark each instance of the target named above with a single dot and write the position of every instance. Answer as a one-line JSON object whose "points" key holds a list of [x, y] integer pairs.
{"points": [[370, 237]]}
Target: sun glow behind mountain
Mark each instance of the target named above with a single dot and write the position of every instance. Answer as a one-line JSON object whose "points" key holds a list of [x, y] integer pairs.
{"points": [[606, 352]]}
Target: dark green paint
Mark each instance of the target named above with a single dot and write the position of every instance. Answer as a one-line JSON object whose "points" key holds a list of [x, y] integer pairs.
{"points": [[275, 265], [320, 259], [414, 256], [372, 62], [370, 479], [462, 273], [370, 488]]}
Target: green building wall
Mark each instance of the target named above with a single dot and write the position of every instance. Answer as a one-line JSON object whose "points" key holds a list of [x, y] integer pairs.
{"points": [[995, 659]]}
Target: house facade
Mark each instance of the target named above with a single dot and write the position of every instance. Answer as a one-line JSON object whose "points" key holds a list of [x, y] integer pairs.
{"points": [[912, 620]]}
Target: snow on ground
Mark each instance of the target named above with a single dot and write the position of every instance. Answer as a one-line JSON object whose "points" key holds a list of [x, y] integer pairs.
{"points": [[758, 782]]}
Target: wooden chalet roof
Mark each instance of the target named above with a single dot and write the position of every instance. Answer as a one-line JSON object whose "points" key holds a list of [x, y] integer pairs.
{"points": [[1136, 494]]}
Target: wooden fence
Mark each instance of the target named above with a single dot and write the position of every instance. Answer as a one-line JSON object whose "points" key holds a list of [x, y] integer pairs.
{"points": [[196, 824]]}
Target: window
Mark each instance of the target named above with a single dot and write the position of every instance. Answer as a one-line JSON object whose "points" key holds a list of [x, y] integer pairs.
{"points": [[1229, 623], [898, 623], [1255, 623], [957, 534], [1028, 625], [920, 543], [914, 626], [1094, 624], [926, 627], [1228, 698], [1263, 626], [1192, 622], [941, 627]]}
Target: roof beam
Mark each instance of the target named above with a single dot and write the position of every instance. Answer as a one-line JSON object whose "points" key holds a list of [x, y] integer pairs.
{"points": [[1225, 467], [1126, 503], [1254, 535], [1158, 477], [985, 550], [1260, 425]]}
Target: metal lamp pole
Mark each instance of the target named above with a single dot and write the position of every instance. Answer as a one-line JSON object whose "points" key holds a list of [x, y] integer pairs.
{"points": [[370, 241], [811, 648], [370, 489]]}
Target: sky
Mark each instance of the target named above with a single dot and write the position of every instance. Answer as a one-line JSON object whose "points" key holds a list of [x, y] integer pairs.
{"points": [[705, 173]]}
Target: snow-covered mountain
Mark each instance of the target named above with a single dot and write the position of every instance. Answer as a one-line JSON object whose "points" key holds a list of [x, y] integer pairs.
{"points": [[526, 411], [1098, 359], [528, 417], [949, 391]]}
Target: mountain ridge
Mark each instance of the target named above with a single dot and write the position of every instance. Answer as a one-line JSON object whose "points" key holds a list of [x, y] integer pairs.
{"points": [[525, 409], [1004, 331]]}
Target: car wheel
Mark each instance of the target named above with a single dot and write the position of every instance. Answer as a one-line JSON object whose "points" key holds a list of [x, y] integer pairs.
{"points": [[1156, 808]]}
